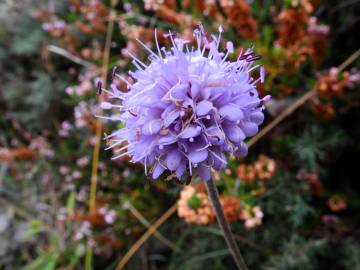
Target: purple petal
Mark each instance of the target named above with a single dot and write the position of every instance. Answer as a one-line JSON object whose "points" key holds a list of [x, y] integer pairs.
{"points": [[219, 160], [204, 173], [231, 112], [262, 74], [167, 139], [242, 150], [234, 133], [173, 159], [190, 132], [152, 127], [195, 90], [181, 169], [179, 91], [215, 136], [157, 171], [249, 128], [257, 117], [196, 156], [203, 107], [230, 47], [171, 117]]}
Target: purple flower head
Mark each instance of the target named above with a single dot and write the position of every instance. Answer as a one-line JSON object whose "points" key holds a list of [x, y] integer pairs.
{"points": [[188, 108]]}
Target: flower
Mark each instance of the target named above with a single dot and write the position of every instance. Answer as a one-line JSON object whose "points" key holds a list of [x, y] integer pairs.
{"points": [[252, 217], [187, 108], [194, 206], [231, 207], [246, 173], [265, 167], [337, 203], [332, 83]]}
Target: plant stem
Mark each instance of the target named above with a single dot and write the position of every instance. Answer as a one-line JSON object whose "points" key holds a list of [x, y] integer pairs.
{"points": [[224, 225]]}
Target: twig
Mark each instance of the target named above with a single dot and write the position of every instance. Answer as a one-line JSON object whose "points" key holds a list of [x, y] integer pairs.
{"points": [[96, 151], [298, 103], [3, 170], [224, 225], [206, 256], [70, 56], [147, 224], [145, 236], [238, 238], [349, 60], [281, 117]]}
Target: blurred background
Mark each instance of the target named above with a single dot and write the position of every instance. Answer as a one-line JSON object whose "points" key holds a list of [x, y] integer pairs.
{"points": [[297, 203]]}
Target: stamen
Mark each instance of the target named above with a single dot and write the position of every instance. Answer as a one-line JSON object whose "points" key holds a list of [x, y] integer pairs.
{"points": [[136, 59], [244, 56], [113, 73], [253, 58], [99, 87], [147, 48], [157, 44]]}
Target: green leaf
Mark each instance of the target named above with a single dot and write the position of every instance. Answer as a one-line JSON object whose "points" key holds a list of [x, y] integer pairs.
{"points": [[70, 205], [46, 261], [36, 227]]}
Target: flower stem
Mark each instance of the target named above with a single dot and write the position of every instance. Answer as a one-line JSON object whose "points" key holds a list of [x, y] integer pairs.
{"points": [[224, 225]]}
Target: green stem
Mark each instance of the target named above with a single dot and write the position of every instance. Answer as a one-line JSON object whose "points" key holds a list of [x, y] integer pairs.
{"points": [[224, 225], [88, 258]]}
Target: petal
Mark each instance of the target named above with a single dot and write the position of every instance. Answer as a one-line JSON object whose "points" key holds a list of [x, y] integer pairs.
{"points": [[180, 170], [196, 156], [152, 127], [249, 128], [230, 47], [215, 135], [106, 105], [167, 139], [234, 133], [157, 171], [219, 160], [242, 150], [204, 173], [203, 107], [257, 117], [179, 91], [190, 131], [171, 117], [195, 89], [231, 112], [173, 159]]}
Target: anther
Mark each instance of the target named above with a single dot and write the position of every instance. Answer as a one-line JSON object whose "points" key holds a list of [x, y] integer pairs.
{"points": [[113, 73], [253, 58], [99, 87]]}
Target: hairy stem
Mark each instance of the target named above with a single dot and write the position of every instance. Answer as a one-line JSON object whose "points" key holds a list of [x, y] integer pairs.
{"points": [[224, 225]]}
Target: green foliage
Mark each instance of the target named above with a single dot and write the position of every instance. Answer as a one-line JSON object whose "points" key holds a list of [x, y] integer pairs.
{"points": [[298, 254]]}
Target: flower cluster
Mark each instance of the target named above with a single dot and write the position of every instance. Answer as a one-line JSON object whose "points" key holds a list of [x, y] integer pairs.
{"points": [[252, 217], [337, 203], [313, 180], [263, 168], [194, 206], [330, 85], [301, 36], [188, 107]]}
